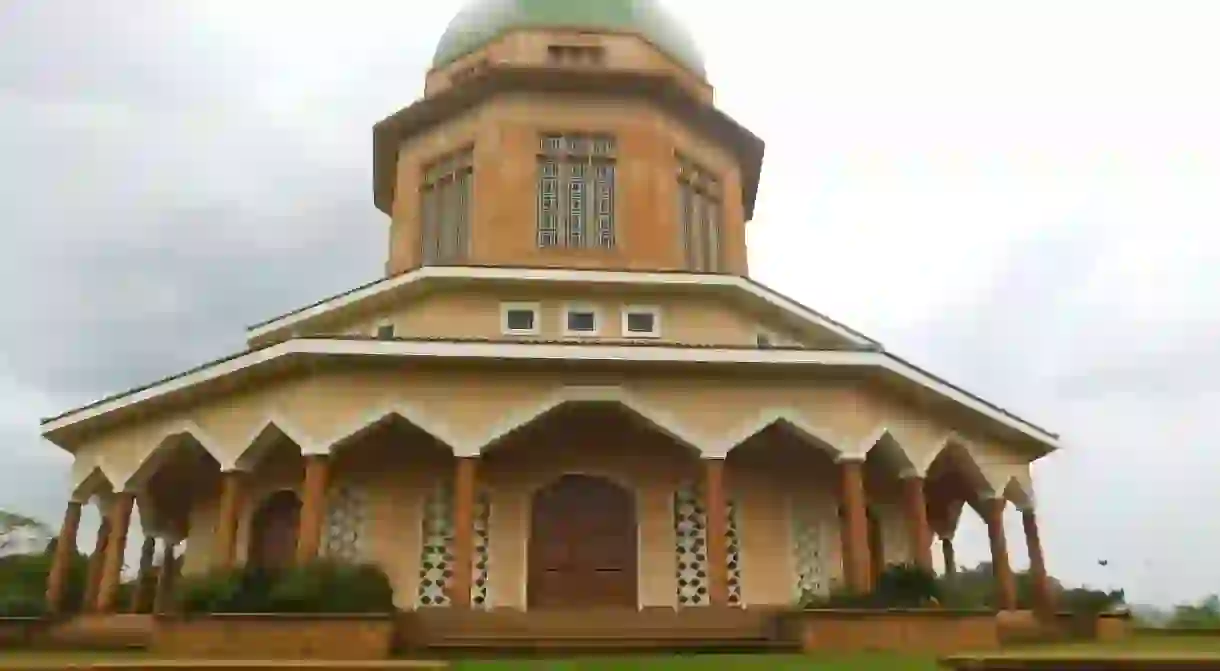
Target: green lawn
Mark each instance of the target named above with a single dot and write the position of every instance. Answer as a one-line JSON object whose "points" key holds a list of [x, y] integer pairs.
{"points": [[861, 662], [1151, 645]]}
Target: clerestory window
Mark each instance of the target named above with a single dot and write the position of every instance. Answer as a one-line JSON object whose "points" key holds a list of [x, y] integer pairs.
{"points": [[576, 190], [699, 216], [445, 202]]}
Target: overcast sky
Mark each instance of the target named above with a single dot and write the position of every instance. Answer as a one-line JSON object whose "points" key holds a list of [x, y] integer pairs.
{"points": [[1022, 197]]}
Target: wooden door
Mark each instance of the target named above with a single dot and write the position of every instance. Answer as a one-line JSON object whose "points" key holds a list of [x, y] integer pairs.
{"points": [[582, 548], [273, 531]]}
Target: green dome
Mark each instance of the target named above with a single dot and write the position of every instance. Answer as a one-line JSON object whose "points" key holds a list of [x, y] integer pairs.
{"points": [[484, 20]]}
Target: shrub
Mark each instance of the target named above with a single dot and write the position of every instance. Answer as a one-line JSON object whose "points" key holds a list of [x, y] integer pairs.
{"points": [[1085, 601], [317, 587], [333, 587], [23, 582], [898, 586], [17, 604], [234, 590], [907, 586]]}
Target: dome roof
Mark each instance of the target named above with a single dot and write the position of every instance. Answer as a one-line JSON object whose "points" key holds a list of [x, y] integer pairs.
{"points": [[481, 21]]}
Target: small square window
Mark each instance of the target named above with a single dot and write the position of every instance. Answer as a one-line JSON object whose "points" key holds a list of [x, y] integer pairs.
{"points": [[764, 341], [580, 320], [519, 318], [385, 331], [641, 321]]}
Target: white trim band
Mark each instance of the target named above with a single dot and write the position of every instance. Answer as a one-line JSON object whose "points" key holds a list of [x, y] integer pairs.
{"points": [[526, 351]]}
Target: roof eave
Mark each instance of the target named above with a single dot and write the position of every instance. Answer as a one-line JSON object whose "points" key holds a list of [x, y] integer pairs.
{"points": [[304, 349]]}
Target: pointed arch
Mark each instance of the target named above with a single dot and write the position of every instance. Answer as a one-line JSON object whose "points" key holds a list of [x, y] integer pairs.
{"points": [[1020, 492], [92, 482], [381, 413], [177, 436], [787, 418], [655, 418], [956, 456], [265, 436], [883, 444]]}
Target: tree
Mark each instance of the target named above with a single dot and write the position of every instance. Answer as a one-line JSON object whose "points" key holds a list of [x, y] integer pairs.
{"points": [[1202, 615]]}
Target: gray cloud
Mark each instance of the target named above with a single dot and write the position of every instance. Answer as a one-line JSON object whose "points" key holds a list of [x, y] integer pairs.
{"points": [[166, 183]]}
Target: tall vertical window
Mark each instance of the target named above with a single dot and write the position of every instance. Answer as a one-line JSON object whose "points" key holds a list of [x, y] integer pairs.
{"points": [[576, 190], [699, 214], [445, 199]]}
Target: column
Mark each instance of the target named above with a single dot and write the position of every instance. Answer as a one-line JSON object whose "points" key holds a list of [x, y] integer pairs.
{"points": [[112, 567], [313, 506], [165, 578], [229, 517], [856, 561], [946, 549], [97, 560], [716, 508], [61, 563], [1005, 584], [464, 480], [1043, 599], [917, 521], [139, 595]]}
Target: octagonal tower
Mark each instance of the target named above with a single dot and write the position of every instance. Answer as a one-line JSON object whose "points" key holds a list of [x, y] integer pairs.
{"points": [[566, 134]]}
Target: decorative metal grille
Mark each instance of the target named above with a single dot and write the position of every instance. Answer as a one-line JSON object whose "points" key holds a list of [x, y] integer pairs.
{"points": [[576, 195]]}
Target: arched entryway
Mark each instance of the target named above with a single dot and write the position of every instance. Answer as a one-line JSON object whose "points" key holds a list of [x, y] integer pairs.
{"points": [[273, 531], [582, 549]]}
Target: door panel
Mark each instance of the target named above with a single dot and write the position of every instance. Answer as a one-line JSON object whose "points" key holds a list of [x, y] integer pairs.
{"points": [[582, 548]]}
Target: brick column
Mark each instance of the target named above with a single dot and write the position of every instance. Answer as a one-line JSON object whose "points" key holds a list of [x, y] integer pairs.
{"points": [[1005, 583], [946, 548], [313, 507], [465, 478], [165, 578], [1044, 600], [140, 595], [93, 575], [716, 508], [229, 517], [61, 563], [857, 564], [116, 546], [917, 521]]}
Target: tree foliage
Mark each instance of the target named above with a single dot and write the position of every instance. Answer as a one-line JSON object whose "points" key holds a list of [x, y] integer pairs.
{"points": [[1202, 615]]}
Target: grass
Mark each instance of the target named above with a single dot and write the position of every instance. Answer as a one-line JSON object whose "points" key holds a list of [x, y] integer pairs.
{"points": [[860, 662], [1201, 646], [1136, 646]]}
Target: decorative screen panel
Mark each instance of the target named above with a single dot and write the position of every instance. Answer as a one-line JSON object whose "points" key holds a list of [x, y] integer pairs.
{"points": [[480, 570], [690, 546], [436, 548], [344, 528], [576, 190]]}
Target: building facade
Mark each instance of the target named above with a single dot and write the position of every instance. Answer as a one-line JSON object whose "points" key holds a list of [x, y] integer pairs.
{"points": [[566, 391]]}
